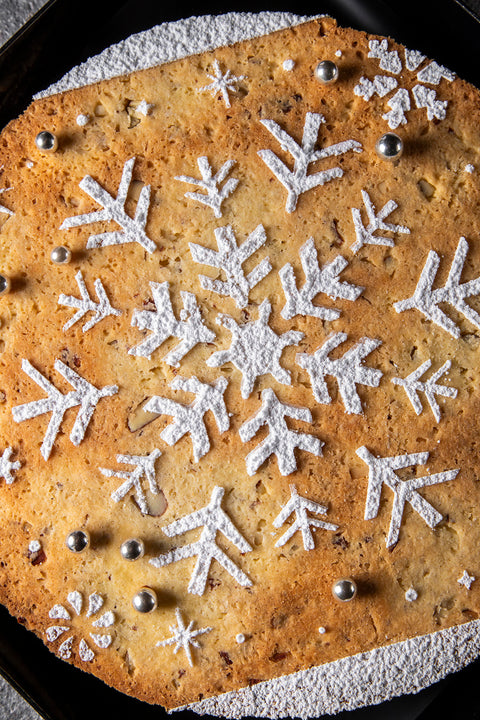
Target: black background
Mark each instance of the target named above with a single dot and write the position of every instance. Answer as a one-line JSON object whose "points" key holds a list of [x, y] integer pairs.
{"points": [[66, 33]]}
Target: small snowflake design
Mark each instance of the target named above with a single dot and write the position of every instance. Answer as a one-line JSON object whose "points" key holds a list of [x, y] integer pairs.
{"points": [[183, 636], [466, 580], [7, 467], [223, 83], [400, 102], [63, 614], [3, 209]]}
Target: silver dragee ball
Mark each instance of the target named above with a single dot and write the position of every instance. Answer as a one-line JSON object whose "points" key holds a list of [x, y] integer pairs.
{"points": [[344, 589], [60, 255], [132, 549], [46, 141], [326, 71], [389, 146], [145, 600], [78, 541], [4, 284]]}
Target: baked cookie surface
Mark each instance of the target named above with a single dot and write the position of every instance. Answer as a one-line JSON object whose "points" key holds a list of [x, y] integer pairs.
{"points": [[261, 360]]}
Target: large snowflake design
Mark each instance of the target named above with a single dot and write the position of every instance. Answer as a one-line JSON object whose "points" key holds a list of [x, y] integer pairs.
{"points": [[85, 304], [297, 181], [132, 229], [223, 83], [280, 441], [212, 518], [413, 385], [84, 394], [183, 636], [101, 639], [255, 349], [430, 301], [400, 102], [382, 471], [229, 258], [348, 370], [163, 324], [189, 419]]}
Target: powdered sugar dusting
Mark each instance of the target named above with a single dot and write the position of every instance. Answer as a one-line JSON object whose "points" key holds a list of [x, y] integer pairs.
{"points": [[364, 679], [171, 41]]}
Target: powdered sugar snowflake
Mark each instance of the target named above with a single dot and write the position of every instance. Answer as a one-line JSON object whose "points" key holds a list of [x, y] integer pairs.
{"points": [[223, 83], [230, 259], [317, 280], [466, 580], [453, 292], [3, 209], [382, 472], [300, 505], [60, 612], [8, 468], [255, 349], [189, 418], [215, 195], [133, 229], [144, 467], [213, 519], [183, 637], [413, 385], [100, 310], [399, 103], [411, 595], [297, 181], [281, 441], [85, 394], [163, 324], [366, 235], [144, 108], [348, 370]]}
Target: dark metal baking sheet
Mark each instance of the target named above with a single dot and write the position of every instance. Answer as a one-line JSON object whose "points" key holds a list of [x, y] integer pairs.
{"points": [[62, 36]]}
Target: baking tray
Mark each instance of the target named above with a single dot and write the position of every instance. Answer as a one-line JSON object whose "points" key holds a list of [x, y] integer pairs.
{"points": [[63, 35]]}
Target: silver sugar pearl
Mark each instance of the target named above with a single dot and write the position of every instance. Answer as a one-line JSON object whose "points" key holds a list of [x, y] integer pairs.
{"points": [[326, 71], [78, 541], [5, 284], [145, 600], [344, 589], [132, 549], [46, 141], [60, 255], [389, 146]]}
